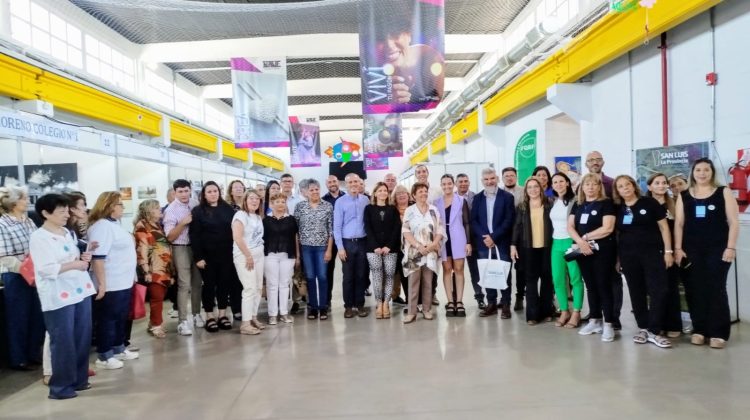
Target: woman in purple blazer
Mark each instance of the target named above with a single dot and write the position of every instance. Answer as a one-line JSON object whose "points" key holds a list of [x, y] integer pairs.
{"points": [[457, 247]]}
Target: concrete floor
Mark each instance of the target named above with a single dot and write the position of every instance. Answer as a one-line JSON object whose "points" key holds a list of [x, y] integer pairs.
{"points": [[448, 368]]}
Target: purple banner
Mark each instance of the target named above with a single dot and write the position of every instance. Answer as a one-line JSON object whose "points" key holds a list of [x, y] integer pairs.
{"points": [[402, 55], [376, 164], [305, 147], [382, 135], [260, 102]]}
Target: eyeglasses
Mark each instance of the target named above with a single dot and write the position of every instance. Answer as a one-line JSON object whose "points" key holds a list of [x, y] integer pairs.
{"points": [[594, 160]]}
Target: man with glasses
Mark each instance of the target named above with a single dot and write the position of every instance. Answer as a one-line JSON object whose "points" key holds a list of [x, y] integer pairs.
{"points": [[287, 188], [595, 165]]}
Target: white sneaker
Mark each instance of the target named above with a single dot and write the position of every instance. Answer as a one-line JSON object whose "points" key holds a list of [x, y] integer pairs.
{"points": [[593, 327], [172, 313], [109, 364], [286, 319], [271, 320], [127, 355], [198, 321], [184, 328], [608, 332]]}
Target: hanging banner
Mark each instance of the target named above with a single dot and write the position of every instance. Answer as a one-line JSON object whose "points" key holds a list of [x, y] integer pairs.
{"points": [[305, 147], [670, 160], [345, 151], [259, 100], [402, 55], [525, 158], [382, 136], [376, 163]]}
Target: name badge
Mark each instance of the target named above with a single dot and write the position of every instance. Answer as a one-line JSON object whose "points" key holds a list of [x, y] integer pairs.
{"points": [[627, 219], [700, 212], [584, 219]]}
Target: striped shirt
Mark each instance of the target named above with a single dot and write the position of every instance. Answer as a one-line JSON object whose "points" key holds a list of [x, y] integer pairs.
{"points": [[15, 235], [175, 212]]}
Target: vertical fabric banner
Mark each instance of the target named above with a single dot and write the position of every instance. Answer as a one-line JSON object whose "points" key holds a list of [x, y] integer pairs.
{"points": [[376, 163], [525, 158], [382, 136], [259, 100], [305, 147], [402, 55]]}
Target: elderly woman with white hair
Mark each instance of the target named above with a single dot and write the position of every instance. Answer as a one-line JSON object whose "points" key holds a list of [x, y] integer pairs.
{"points": [[23, 313]]}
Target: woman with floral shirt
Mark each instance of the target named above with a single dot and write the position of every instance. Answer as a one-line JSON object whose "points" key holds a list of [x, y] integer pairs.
{"points": [[154, 261]]}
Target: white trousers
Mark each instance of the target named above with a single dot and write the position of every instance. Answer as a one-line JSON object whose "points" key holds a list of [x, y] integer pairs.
{"points": [[252, 282], [278, 269]]}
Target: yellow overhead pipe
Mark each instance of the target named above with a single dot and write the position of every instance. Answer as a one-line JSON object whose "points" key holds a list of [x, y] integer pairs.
{"points": [[190, 136], [419, 157], [438, 145], [18, 79], [267, 161], [610, 37], [465, 128], [228, 150]]}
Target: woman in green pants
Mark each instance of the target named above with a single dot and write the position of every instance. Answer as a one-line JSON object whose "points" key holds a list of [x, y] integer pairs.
{"points": [[561, 241]]}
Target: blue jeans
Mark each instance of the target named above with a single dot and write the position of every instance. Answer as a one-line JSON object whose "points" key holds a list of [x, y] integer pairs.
{"points": [[315, 268], [70, 339], [482, 253], [24, 321], [112, 313]]}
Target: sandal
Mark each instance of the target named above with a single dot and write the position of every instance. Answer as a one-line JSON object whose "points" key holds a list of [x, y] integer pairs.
{"points": [[460, 310], [574, 321], [641, 337], [157, 331], [224, 323], [312, 314], [563, 319], [211, 325], [450, 309], [659, 340], [323, 314]]}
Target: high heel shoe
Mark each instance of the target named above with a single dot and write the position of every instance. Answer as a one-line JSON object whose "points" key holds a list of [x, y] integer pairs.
{"points": [[575, 320], [563, 319]]}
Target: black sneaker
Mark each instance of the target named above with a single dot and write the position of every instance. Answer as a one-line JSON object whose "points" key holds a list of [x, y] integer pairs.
{"points": [[294, 309], [519, 305], [399, 301], [481, 304]]}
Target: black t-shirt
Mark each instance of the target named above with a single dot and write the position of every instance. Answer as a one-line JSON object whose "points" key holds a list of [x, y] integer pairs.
{"points": [[589, 216], [638, 224]]}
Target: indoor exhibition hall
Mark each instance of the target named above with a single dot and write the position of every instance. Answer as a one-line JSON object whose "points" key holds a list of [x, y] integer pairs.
{"points": [[374, 209]]}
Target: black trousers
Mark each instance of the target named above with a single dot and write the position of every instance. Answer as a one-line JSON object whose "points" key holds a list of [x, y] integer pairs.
{"points": [[534, 263], [597, 275], [330, 270], [471, 260], [672, 303], [218, 276], [521, 277], [400, 275], [356, 272], [709, 302], [235, 295], [646, 274]]}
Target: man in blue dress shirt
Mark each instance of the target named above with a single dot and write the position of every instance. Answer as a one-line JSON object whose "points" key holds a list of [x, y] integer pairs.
{"points": [[349, 235]]}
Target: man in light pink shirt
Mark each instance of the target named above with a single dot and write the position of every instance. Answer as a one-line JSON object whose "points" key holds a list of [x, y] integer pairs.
{"points": [[177, 218]]}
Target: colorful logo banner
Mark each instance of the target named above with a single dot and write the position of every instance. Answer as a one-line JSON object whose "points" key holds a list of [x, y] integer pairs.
{"points": [[345, 151], [670, 160], [402, 55], [382, 136], [305, 147], [525, 158], [376, 163], [259, 98]]}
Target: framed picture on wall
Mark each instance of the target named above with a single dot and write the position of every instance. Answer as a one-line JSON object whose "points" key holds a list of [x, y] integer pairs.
{"points": [[43, 179]]}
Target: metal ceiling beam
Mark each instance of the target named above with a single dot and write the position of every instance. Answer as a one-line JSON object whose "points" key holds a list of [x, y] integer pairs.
{"points": [[318, 87], [295, 46]]}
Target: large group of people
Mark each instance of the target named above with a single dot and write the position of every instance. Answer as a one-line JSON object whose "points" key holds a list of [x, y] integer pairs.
{"points": [[231, 253]]}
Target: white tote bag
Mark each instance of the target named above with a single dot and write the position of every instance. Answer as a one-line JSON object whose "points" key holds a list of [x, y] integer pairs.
{"points": [[493, 272]]}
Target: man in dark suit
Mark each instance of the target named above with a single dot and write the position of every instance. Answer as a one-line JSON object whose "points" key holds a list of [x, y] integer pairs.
{"points": [[492, 215]]}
